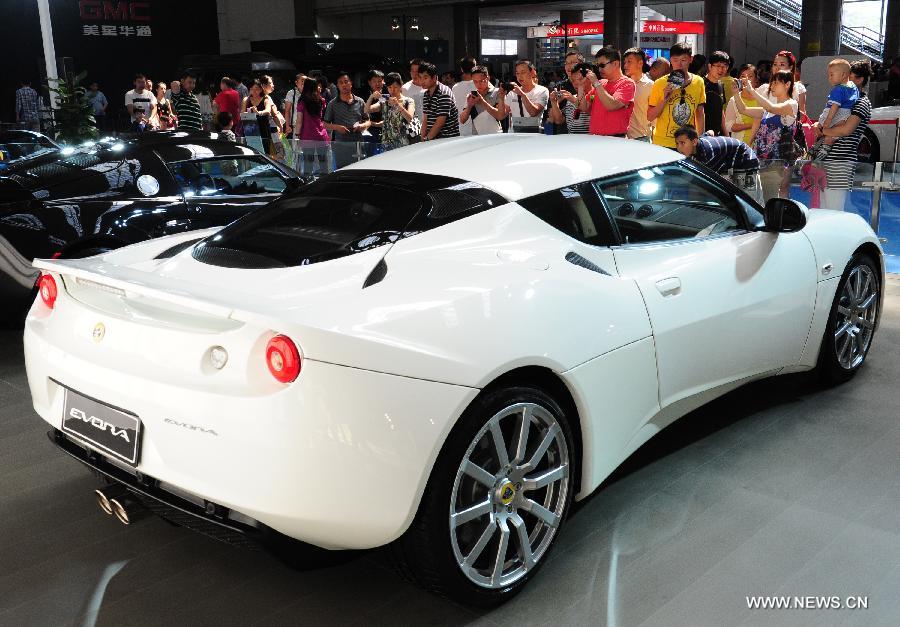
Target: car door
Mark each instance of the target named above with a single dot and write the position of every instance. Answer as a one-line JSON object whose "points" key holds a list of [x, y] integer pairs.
{"points": [[726, 301]]}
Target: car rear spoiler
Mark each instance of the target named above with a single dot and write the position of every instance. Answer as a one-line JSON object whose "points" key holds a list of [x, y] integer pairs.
{"points": [[133, 282]]}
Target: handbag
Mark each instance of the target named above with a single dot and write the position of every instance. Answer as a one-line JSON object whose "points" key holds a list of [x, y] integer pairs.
{"points": [[789, 149], [413, 128]]}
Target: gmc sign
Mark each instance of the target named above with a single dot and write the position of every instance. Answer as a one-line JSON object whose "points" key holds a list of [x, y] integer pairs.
{"points": [[114, 11]]}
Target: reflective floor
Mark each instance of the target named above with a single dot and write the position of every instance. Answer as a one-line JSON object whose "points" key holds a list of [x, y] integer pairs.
{"points": [[780, 488]]}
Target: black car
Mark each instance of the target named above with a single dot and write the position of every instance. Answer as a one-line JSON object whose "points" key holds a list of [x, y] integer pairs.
{"points": [[84, 201], [21, 144]]}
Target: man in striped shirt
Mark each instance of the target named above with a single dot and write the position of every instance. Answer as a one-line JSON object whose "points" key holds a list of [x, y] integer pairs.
{"points": [[186, 106], [439, 105], [725, 155]]}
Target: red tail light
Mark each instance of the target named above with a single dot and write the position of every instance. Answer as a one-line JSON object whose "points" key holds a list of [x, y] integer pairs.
{"points": [[283, 358], [47, 290]]}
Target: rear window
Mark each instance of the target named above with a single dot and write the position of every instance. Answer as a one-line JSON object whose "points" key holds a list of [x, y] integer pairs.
{"points": [[343, 214]]}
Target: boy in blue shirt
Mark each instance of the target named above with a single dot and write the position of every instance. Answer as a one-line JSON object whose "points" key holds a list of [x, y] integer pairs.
{"points": [[841, 99]]}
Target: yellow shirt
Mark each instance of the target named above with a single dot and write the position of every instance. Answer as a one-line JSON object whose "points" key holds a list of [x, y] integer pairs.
{"points": [[680, 109]]}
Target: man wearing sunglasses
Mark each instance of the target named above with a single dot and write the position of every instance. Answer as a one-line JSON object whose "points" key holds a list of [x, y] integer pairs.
{"points": [[610, 100]]}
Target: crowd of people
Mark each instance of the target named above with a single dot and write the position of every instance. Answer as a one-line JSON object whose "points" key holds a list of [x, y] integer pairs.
{"points": [[750, 121]]}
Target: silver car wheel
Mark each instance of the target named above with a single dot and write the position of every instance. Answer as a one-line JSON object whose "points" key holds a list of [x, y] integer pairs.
{"points": [[509, 495], [856, 316]]}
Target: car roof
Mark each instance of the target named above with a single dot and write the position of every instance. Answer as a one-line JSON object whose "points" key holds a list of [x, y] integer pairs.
{"points": [[521, 165]]}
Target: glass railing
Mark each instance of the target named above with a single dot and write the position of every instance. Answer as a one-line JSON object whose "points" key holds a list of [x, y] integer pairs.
{"points": [[315, 158]]}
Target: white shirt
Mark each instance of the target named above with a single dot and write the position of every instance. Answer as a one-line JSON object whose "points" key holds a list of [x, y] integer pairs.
{"points": [[539, 95], [799, 89], [484, 123], [142, 102], [639, 125], [461, 91], [417, 94], [292, 110]]}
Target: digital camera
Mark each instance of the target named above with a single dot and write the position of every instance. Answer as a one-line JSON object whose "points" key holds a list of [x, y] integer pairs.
{"points": [[584, 68], [677, 78]]}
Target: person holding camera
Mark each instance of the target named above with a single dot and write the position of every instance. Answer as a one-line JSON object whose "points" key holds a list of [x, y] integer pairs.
{"points": [[401, 126], [375, 80], [610, 100], [481, 105], [564, 107], [524, 101], [677, 99]]}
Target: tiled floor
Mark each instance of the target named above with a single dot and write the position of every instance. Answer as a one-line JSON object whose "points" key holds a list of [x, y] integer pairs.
{"points": [[780, 488]]}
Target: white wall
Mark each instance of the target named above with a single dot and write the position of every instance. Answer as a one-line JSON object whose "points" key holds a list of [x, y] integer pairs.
{"points": [[241, 22], [751, 40]]}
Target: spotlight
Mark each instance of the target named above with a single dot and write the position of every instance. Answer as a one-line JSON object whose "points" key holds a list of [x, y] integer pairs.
{"points": [[414, 23], [395, 23], [425, 37], [335, 35]]}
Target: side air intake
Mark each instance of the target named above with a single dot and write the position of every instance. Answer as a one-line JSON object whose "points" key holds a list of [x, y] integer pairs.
{"points": [[576, 259]]}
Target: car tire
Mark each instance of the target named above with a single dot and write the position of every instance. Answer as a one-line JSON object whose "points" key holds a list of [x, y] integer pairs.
{"points": [[452, 551], [851, 321]]}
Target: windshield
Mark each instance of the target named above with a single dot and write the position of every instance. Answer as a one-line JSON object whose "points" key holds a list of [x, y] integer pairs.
{"points": [[226, 177], [343, 214]]}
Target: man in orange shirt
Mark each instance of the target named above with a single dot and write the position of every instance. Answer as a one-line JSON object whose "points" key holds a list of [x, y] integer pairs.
{"points": [[611, 99]]}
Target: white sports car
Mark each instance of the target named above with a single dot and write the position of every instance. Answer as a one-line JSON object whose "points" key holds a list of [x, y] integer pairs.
{"points": [[438, 348]]}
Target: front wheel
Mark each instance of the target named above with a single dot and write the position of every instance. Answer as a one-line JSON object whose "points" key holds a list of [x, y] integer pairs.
{"points": [[496, 500], [852, 321]]}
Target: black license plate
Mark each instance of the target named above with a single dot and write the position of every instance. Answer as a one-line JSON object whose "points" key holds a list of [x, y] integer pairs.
{"points": [[113, 431]]}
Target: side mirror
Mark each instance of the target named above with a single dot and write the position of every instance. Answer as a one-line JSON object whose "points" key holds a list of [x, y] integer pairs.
{"points": [[783, 215]]}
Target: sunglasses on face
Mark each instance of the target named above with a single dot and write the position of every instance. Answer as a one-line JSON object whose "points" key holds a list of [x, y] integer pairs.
{"points": [[603, 65]]}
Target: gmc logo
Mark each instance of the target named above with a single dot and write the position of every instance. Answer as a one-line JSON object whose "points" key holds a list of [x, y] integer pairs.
{"points": [[99, 423], [113, 11]]}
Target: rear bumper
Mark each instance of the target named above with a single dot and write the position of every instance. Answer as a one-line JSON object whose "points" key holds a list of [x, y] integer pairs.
{"points": [[338, 459], [209, 519]]}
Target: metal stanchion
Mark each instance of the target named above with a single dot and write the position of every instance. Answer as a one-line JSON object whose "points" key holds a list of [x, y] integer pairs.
{"points": [[878, 184]]}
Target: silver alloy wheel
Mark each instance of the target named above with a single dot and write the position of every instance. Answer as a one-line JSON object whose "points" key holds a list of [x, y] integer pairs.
{"points": [[507, 498], [856, 314]]}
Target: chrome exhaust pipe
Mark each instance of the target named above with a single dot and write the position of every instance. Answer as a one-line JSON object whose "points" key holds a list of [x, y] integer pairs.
{"points": [[105, 494], [127, 509]]}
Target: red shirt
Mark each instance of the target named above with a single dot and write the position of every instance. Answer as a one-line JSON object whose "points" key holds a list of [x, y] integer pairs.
{"points": [[229, 100], [605, 122]]}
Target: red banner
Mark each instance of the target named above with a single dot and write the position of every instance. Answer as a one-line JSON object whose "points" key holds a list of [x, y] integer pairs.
{"points": [[649, 26]]}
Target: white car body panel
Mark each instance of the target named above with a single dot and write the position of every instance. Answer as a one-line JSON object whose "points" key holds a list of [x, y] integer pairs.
{"points": [[388, 369], [883, 123], [732, 291]]}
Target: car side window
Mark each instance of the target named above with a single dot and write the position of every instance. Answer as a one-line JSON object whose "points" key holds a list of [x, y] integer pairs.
{"points": [[567, 210], [666, 203], [227, 177]]}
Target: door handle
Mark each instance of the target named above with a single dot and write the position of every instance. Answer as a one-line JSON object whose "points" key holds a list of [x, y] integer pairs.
{"points": [[669, 287]]}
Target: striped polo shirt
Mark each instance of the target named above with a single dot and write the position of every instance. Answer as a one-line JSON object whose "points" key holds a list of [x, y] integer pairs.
{"points": [[441, 103], [721, 154], [187, 108]]}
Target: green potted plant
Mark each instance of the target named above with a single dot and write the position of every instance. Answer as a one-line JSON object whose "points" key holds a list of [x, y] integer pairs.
{"points": [[73, 118]]}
